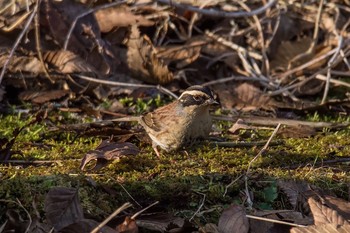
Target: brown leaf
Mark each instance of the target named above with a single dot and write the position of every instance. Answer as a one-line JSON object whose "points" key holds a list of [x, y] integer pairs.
{"points": [[67, 62], [66, 12], [22, 64], [323, 214], [233, 219], [107, 151], [244, 96], [128, 226], [299, 131], [324, 228], [119, 16], [62, 207], [340, 205], [143, 62], [40, 97], [182, 55], [297, 192]]}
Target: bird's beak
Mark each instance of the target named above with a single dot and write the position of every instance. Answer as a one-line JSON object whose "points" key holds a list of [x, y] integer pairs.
{"points": [[212, 102]]}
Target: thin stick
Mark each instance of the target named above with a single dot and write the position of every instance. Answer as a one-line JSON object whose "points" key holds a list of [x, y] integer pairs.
{"points": [[334, 81], [120, 209], [274, 221], [215, 13], [232, 45], [249, 200], [329, 66], [143, 210], [18, 40], [307, 64], [18, 202], [200, 206], [113, 83], [261, 37]]}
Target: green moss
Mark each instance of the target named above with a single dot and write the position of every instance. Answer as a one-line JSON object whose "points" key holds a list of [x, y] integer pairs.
{"points": [[179, 180]]}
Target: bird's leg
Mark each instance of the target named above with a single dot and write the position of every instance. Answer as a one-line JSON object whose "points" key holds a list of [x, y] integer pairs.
{"points": [[154, 146]]}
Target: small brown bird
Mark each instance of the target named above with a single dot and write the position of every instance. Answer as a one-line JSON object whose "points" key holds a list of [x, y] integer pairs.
{"points": [[181, 122]]}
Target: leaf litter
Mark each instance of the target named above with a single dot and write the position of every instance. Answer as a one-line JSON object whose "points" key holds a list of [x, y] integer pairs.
{"points": [[269, 60]]}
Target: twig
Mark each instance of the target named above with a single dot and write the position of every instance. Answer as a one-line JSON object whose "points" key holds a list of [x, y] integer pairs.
{"points": [[274, 221], [307, 64], [261, 38], [66, 41], [232, 45], [200, 206], [249, 200], [18, 202], [132, 198], [18, 40], [314, 37], [334, 81], [102, 224], [143, 210], [215, 13], [329, 66], [266, 121], [243, 144], [121, 84], [230, 184]]}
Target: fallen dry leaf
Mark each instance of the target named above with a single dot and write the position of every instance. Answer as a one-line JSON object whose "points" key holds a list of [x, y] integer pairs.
{"points": [[128, 226], [323, 214], [62, 207], [119, 16], [143, 62], [67, 62], [324, 228], [107, 151], [40, 97], [233, 219]]}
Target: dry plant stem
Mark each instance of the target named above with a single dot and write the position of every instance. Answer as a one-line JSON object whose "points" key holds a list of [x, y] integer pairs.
{"points": [[17, 202], [261, 79], [249, 200], [18, 40], [143, 210], [132, 198], [329, 66], [314, 37], [275, 121], [261, 38], [232, 45], [15, 24], [230, 184], [242, 144], [37, 43], [283, 76], [200, 206], [215, 13], [115, 213], [274, 221], [121, 84], [66, 41], [334, 81]]}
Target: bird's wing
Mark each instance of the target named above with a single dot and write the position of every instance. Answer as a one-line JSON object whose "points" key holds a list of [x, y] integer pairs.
{"points": [[159, 119]]}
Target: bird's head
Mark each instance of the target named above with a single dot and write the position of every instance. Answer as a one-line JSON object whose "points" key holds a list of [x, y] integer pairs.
{"points": [[197, 97]]}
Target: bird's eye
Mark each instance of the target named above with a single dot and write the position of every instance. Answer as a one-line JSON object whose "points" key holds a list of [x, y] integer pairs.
{"points": [[197, 98]]}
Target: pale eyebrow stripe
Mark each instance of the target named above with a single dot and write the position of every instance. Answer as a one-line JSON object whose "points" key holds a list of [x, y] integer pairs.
{"points": [[194, 92]]}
